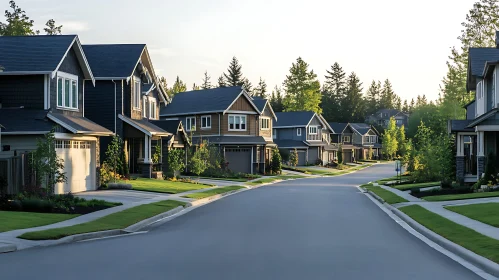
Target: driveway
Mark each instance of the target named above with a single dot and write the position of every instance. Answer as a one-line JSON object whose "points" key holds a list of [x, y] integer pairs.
{"points": [[318, 228]]}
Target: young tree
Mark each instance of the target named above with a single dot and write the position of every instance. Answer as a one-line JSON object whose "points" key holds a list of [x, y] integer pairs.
{"points": [[206, 81], [401, 141], [200, 159], [387, 97], [114, 156], [222, 82], [48, 166], [353, 103], [176, 161], [333, 92], [302, 89], [178, 86], [17, 22], [276, 162], [370, 153], [340, 154], [52, 29], [390, 144], [276, 100], [261, 89], [293, 158], [235, 74]]}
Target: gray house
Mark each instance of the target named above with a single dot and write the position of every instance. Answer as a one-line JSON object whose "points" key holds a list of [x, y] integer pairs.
{"points": [[356, 140], [42, 89], [307, 132], [382, 117]]}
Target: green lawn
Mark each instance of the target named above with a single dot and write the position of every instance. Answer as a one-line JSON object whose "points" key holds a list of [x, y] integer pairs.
{"points": [[164, 186], [212, 192], [19, 220], [387, 196], [460, 196], [487, 213], [117, 220], [466, 237], [225, 179], [273, 179], [406, 187]]}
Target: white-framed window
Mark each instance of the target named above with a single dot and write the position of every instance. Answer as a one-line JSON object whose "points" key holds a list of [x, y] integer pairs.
{"points": [[367, 139], [205, 122], [237, 123], [190, 124], [274, 133], [298, 131], [312, 130], [58, 144], [152, 108], [493, 99], [144, 105], [373, 139], [67, 90], [346, 139], [136, 93], [67, 144], [265, 123]]}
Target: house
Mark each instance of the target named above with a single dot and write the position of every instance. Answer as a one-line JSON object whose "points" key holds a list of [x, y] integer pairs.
{"points": [[478, 136], [382, 118], [308, 133], [126, 100], [229, 119], [43, 86], [356, 140]]}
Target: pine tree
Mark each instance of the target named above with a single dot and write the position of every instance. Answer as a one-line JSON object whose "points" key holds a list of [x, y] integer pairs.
{"points": [[261, 89], [405, 107], [178, 86], [333, 92], [412, 106], [221, 81], [206, 81], [302, 89], [17, 22], [52, 29], [398, 103], [372, 98], [387, 96], [353, 103], [247, 86], [276, 100], [195, 87], [235, 74]]}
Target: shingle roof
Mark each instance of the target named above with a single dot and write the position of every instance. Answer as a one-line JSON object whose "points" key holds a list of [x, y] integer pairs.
{"points": [[199, 101], [145, 126], [33, 53], [260, 103], [78, 124], [479, 56], [290, 143], [24, 120], [301, 118], [113, 61], [170, 126], [338, 127], [249, 140], [362, 128]]}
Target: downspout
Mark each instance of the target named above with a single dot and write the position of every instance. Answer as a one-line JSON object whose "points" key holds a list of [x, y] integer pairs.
{"points": [[115, 131], [83, 107]]}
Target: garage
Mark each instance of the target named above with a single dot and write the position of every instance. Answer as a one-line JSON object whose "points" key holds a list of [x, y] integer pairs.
{"points": [[79, 165], [302, 157], [239, 159]]}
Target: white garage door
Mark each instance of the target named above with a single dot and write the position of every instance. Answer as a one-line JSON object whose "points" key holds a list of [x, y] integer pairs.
{"points": [[78, 165]]}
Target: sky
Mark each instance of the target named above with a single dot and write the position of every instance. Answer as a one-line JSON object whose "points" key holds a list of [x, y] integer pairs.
{"points": [[406, 42]]}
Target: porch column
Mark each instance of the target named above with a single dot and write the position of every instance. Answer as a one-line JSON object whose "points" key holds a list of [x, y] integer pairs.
{"points": [[460, 166], [480, 153], [147, 166]]}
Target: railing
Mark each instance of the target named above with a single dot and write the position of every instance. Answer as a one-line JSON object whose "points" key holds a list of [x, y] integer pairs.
{"points": [[313, 137]]}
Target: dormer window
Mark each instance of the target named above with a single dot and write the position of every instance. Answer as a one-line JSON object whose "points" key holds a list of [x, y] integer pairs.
{"points": [[67, 91]]}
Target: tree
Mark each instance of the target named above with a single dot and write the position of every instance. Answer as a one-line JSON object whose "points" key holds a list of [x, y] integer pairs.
{"points": [[47, 165], [293, 158], [398, 103], [195, 87], [353, 103], [222, 82], [261, 89], [200, 159], [206, 81], [333, 92], [373, 95], [387, 97], [370, 153], [302, 89], [412, 106], [401, 141], [52, 29], [176, 161], [431, 116], [164, 83], [247, 86], [340, 154], [114, 156], [405, 107], [178, 86], [390, 144], [235, 74], [276, 162], [276, 100], [17, 22]]}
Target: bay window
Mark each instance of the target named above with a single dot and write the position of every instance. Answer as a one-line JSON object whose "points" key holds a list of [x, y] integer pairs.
{"points": [[67, 91], [237, 123]]}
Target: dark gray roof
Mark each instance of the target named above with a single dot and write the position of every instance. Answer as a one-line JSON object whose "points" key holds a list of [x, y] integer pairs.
{"points": [[113, 61], [390, 112], [479, 56], [460, 126], [362, 128], [171, 126], [227, 140], [290, 143], [260, 103], [301, 118], [145, 126], [78, 125], [146, 88], [338, 127], [33, 53], [23, 120], [201, 101]]}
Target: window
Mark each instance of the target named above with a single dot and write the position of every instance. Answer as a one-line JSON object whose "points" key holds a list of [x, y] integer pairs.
{"points": [[58, 144], [67, 91], [298, 131], [190, 124], [398, 121], [373, 139], [144, 105], [205, 122], [67, 144], [237, 123], [152, 108], [274, 134], [312, 130], [136, 93], [264, 123], [367, 139], [346, 139]]}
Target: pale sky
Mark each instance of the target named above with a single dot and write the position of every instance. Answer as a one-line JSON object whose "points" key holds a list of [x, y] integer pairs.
{"points": [[407, 43]]}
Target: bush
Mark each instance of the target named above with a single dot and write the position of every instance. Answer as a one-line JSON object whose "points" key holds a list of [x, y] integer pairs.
{"points": [[37, 205], [445, 184], [318, 162], [285, 155], [276, 162]]}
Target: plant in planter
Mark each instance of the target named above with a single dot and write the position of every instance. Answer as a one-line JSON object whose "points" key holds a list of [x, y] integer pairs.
{"points": [[156, 158]]}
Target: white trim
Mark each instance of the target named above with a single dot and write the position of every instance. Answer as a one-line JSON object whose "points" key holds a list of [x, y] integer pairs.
{"points": [[266, 119], [25, 73], [148, 133], [191, 113], [315, 115], [298, 131], [243, 92], [290, 126], [136, 95], [144, 112], [81, 54], [240, 123], [486, 128], [343, 137], [171, 119], [206, 117], [242, 112], [60, 135], [316, 130], [152, 101]]}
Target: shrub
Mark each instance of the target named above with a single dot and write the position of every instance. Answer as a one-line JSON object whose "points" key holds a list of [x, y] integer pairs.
{"points": [[293, 158], [285, 154], [445, 184], [175, 161], [200, 159], [318, 161], [37, 205], [340, 154], [276, 162]]}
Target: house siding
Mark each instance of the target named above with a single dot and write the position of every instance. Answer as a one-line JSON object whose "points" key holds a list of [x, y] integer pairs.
{"points": [[251, 123], [199, 131], [267, 134], [242, 104], [290, 134], [26, 90]]}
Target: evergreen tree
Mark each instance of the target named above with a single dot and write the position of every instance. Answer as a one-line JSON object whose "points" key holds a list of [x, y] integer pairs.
{"points": [[372, 98], [52, 29], [17, 22], [387, 96], [276, 100], [235, 74], [178, 86], [333, 92], [302, 89], [261, 89], [405, 107], [247, 86], [353, 103], [195, 87], [412, 106], [163, 83], [398, 103], [221, 81], [206, 81]]}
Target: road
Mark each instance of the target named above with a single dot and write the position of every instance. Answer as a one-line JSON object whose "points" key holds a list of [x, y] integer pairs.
{"points": [[321, 228]]}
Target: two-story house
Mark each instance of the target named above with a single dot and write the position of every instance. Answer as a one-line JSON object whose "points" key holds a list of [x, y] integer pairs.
{"points": [[228, 118], [43, 83], [357, 139], [126, 99], [307, 132], [342, 134], [477, 137], [382, 118]]}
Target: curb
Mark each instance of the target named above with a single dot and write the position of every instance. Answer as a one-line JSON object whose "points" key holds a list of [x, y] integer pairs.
{"points": [[7, 247], [481, 262], [206, 200], [148, 221]]}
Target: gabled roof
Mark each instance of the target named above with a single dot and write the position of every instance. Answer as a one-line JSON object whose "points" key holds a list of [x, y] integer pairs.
{"points": [[338, 127], [478, 57], [172, 126], [114, 61], [361, 128], [40, 54], [145, 126], [293, 119], [290, 143], [262, 103], [215, 100], [79, 125]]}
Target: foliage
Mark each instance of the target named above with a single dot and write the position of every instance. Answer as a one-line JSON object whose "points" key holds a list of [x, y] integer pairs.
{"points": [[221, 81], [176, 161], [247, 86], [293, 158], [333, 93], [285, 155], [340, 154], [431, 115], [178, 86], [17, 22], [373, 96], [387, 96], [114, 157], [370, 153], [107, 175], [47, 165], [302, 89], [206, 81], [490, 169], [352, 105], [390, 144], [156, 157], [276, 162], [261, 89], [52, 29], [276, 100], [234, 76], [200, 159], [195, 87]]}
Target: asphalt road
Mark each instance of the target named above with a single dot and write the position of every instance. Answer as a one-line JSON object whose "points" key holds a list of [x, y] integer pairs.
{"points": [[320, 228]]}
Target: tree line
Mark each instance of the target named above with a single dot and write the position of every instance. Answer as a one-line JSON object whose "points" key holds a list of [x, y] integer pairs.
{"points": [[17, 23]]}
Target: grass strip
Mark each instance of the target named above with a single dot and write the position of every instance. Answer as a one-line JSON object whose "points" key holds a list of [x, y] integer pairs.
{"points": [[118, 220], [20, 220], [212, 192], [164, 186], [388, 196], [487, 213], [447, 197], [406, 187]]}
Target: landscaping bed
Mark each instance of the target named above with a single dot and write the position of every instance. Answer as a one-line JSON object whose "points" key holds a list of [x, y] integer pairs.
{"points": [[20, 220], [466, 237], [387, 196], [487, 213], [212, 192], [165, 186], [119, 220], [410, 186]]}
